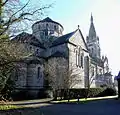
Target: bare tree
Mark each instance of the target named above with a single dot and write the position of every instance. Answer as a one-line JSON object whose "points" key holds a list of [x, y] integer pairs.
{"points": [[10, 54], [61, 74], [14, 16]]}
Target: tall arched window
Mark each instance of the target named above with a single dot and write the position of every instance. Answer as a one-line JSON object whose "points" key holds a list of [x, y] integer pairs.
{"points": [[92, 68], [38, 72], [16, 74], [81, 60], [77, 58], [46, 25], [37, 51], [92, 51]]}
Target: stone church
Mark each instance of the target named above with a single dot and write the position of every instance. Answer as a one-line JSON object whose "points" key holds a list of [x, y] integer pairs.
{"points": [[47, 41]]}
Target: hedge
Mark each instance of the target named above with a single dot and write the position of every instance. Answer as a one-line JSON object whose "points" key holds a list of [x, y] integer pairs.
{"points": [[82, 93]]}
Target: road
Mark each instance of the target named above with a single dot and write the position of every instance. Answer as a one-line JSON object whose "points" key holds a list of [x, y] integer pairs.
{"points": [[99, 107], [103, 107]]}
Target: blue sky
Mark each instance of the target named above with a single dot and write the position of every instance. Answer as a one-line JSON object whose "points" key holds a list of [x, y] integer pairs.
{"points": [[106, 14]]}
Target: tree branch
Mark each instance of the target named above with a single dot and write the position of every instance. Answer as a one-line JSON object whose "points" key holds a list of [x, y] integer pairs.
{"points": [[4, 3]]}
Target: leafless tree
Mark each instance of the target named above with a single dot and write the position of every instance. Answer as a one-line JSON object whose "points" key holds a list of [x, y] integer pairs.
{"points": [[61, 74], [10, 53], [13, 18], [16, 16]]}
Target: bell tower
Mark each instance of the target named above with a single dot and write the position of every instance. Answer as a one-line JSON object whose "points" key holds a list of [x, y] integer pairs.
{"points": [[93, 41]]}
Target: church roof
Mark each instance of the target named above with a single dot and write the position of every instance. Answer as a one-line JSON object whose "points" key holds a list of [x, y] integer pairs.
{"points": [[65, 39], [48, 20], [108, 74], [28, 38], [58, 54], [62, 39]]}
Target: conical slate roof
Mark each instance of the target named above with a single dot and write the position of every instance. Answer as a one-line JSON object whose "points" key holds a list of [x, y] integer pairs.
{"points": [[48, 20]]}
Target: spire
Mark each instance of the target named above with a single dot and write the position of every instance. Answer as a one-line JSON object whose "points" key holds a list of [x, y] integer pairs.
{"points": [[93, 41], [92, 32], [91, 18]]}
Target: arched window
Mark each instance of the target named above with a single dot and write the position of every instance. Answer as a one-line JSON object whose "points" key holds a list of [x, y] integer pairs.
{"points": [[39, 27], [55, 27], [16, 74], [37, 51], [46, 25], [81, 60], [92, 51], [77, 58], [38, 72], [46, 32], [92, 71], [30, 48]]}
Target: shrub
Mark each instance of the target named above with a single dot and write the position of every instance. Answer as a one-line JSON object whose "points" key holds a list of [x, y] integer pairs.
{"points": [[93, 92], [107, 92]]}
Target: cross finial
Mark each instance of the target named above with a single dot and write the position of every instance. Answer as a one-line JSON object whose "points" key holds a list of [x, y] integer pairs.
{"points": [[78, 26]]}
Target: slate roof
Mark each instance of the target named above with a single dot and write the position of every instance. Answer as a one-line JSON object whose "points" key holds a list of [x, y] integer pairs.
{"points": [[108, 74], [48, 20], [62, 39], [58, 54], [28, 38], [65, 39]]}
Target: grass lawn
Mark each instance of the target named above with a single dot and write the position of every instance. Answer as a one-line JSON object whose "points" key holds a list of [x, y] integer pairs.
{"points": [[8, 107], [83, 100]]}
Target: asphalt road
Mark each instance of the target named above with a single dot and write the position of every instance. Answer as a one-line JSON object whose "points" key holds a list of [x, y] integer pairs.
{"points": [[99, 107], [103, 107]]}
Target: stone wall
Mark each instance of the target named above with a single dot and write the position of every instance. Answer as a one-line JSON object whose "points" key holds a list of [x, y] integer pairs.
{"points": [[20, 75], [53, 30], [30, 78], [78, 70], [35, 76], [35, 79]]}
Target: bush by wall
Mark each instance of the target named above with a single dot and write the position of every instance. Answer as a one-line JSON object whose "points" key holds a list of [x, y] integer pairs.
{"points": [[82, 93]]}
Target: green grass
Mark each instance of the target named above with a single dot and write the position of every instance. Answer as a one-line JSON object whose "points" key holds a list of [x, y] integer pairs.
{"points": [[8, 107]]}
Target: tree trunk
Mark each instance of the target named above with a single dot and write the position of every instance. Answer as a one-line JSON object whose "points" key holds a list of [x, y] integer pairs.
{"points": [[55, 95], [68, 95]]}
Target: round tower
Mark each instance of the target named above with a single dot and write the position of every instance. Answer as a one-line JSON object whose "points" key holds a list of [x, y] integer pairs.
{"points": [[47, 28]]}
